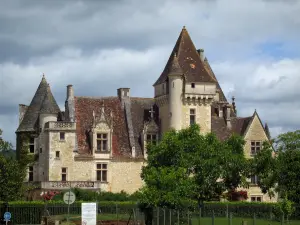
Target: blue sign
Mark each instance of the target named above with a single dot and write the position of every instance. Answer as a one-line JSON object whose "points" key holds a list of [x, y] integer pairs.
{"points": [[7, 216]]}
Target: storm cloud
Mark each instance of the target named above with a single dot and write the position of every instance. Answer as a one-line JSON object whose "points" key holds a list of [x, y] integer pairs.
{"points": [[99, 46]]}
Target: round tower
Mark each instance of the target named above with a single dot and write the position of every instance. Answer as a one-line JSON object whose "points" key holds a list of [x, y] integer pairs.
{"points": [[175, 77]]}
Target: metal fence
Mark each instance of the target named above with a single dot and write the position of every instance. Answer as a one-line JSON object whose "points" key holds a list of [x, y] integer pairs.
{"points": [[121, 214]]}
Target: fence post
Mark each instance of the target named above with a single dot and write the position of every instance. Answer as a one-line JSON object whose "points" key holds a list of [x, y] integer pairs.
{"points": [[227, 210], [117, 213], [164, 216], [170, 210], [157, 215], [230, 218], [213, 218], [254, 218], [178, 217], [282, 219], [188, 217], [199, 216]]}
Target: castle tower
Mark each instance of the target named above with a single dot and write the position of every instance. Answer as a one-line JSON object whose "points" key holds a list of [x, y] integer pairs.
{"points": [[175, 78], [185, 90]]}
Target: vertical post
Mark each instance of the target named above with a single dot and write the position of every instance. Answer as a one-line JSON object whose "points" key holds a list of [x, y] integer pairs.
{"points": [[157, 214], [227, 210], [170, 210], [188, 216], [177, 217], [69, 204], [117, 214], [254, 218], [199, 216], [282, 219], [213, 218], [164, 216], [230, 218]]}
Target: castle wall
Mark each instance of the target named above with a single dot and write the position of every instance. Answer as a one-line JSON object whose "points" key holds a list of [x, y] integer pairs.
{"points": [[256, 133], [203, 117]]}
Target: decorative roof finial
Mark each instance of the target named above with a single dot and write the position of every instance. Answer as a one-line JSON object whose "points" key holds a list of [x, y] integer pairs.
{"points": [[152, 112], [183, 28], [43, 75]]}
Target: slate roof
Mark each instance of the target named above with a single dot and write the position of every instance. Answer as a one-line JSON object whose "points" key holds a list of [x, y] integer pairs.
{"points": [[238, 124], [188, 59], [139, 107], [42, 100]]}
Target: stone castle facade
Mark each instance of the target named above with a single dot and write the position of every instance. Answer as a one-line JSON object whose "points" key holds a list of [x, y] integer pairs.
{"points": [[100, 143]]}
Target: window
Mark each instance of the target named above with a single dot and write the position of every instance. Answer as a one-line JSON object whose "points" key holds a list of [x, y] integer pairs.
{"points": [[41, 150], [151, 138], [256, 198], [101, 172], [192, 116], [255, 147], [102, 143], [57, 154], [254, 180], [64, 174], [193, 85], [30, 174], [31, 145], [62, 136]]}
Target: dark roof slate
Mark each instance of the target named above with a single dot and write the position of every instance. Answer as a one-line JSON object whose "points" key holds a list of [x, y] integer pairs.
{"points": [[49, 104], [188, 59], [30, 118]]}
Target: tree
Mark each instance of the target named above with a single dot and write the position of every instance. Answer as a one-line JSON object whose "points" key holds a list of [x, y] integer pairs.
{"points": [[279, 170], [4, 145], [186, 165], [265, 166]]}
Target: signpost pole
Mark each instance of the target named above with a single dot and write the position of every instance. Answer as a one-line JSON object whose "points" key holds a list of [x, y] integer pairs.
{"points": [[69, 204]]}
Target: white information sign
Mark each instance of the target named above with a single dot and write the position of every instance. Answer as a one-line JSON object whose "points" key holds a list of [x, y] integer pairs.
{"points": [[88, 213]]}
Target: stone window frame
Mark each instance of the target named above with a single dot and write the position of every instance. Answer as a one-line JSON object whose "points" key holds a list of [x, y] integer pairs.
{"points": [[255, 147], [254, 180], [101, 128], [102, 168], [64, 172], [57, 156], [254, 198], [31, 145], [102, 140], [151, 134], [193, 85], [30, 174], [192, 114], [62, 136]]}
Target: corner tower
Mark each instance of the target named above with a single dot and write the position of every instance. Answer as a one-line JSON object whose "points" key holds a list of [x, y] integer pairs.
{"points": [[185, 90]]}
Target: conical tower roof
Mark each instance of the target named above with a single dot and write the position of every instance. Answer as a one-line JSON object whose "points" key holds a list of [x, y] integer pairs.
{"points": [[188, 59], [32, 114], [174, 66], [49, 104]]}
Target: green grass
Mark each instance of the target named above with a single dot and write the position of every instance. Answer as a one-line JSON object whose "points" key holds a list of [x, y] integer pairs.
{"points": [[238, 221]]}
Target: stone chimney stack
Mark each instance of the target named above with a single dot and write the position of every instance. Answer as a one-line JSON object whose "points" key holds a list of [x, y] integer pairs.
{"points": [[123, 93], [228, 118], [70, 104], [201, 54]]}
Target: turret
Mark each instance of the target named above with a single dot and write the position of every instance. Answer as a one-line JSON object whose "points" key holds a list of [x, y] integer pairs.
{"points": [[175, 77]]}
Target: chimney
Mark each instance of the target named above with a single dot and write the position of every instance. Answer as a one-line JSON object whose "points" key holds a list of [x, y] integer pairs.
{"points": [[70, 104], [70, 92], [201, 54], [228, 118]]}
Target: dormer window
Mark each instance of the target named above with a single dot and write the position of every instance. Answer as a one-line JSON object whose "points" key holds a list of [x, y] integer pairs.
{"points": [[102, 142], [193, 85]]}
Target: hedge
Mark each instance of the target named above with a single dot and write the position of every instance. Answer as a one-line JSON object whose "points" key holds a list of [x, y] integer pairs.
{"points": [[32, 212]]}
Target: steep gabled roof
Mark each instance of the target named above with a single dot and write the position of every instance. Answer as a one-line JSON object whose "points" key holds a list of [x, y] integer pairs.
{"points": [[31, 116], [188, 59]]}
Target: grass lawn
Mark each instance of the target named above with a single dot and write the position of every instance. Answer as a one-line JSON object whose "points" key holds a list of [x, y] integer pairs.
{"points": [[238, 221]]}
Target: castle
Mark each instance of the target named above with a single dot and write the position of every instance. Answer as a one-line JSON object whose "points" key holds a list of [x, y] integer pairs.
{"points": [[100, 143]]}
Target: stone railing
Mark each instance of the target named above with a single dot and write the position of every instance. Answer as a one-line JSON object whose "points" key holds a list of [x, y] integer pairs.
{"points": [[73, 184], [60, 125]]}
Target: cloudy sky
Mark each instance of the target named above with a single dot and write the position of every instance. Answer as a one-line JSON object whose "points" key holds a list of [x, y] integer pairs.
{"points": [[98, 46]]}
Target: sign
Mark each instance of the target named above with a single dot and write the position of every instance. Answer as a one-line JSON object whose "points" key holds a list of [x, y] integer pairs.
{"points": [[7, 216], [88, 213], [69, 197]]}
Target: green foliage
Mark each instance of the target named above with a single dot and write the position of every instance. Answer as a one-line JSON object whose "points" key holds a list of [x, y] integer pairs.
{"points": [[12, 176], [265, 166], [88, 195], [284, 208], [23, 155], [4, 145], [187, 165], [288, 141]]}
